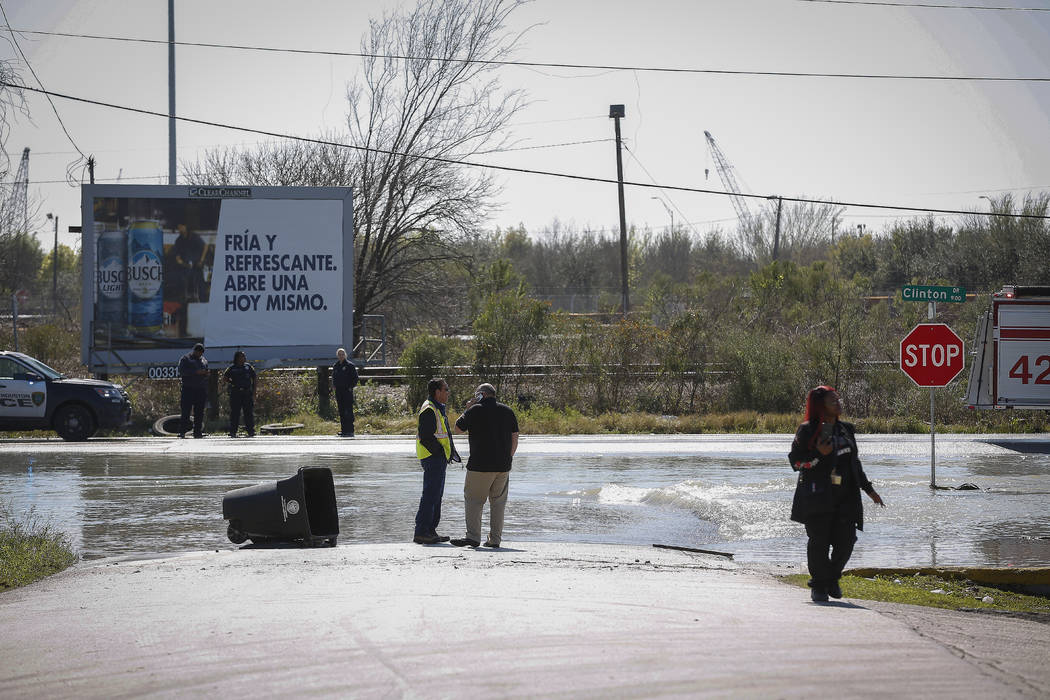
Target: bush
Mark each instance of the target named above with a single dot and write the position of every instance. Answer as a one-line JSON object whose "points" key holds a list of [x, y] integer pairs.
{"points": [[30, 549], [426, 357]]}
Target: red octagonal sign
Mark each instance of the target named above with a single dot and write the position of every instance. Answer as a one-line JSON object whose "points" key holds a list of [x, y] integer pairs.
{"points": [[932, 354]]}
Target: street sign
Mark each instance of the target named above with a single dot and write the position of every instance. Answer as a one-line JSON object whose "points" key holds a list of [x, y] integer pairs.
{"points": [[921, 292], [932, 354]]}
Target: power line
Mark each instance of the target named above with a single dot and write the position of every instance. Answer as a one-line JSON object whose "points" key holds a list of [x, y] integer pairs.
{"points": [[122, 178], [929, 5], [538, 64], [14, 40], [511, 169]]}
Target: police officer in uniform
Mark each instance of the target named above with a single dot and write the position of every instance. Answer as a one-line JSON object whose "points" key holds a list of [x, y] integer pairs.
{"points": [[241, 378], [344, 379], [435, 449], [827, 495], [193, 369]]}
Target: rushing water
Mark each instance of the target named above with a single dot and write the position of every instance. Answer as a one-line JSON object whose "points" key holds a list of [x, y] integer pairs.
{"points": [[730, 494]]}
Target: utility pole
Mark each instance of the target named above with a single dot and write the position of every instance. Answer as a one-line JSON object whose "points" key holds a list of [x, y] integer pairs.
{"points": [[776, 232], [54, 269], [171, 92], [616, 112]]}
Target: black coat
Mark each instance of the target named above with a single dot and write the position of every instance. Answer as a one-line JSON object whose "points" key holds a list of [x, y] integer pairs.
{"points": [[813, 492]]}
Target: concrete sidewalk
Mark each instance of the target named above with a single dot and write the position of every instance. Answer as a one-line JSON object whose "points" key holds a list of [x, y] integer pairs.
{"points": [[529, 620]]}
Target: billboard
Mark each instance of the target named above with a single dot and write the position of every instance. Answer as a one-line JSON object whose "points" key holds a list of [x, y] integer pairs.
{"points": [[267, 270]]}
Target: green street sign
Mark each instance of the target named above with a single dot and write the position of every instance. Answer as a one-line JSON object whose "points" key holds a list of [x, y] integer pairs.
{"points": [[920, 292]]}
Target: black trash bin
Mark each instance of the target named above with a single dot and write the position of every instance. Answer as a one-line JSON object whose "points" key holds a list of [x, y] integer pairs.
{"points": [[300, 508]]}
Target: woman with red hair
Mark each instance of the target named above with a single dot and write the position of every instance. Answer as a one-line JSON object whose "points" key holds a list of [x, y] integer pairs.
{"points": [[827, 495]]}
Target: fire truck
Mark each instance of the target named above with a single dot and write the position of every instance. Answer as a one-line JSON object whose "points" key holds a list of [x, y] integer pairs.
{"points": [[1011, 363]]}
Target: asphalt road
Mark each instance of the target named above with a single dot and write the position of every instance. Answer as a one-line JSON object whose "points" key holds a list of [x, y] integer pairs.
{"points": [[530, 620]]}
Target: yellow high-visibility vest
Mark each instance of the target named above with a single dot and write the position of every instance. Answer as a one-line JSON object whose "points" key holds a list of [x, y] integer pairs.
{"points": [[441, 432]]}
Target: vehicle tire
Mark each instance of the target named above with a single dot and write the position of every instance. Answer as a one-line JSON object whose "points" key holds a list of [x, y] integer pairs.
{"points": [[236, 536], [279, 428], [74, 422], [167, 426]]}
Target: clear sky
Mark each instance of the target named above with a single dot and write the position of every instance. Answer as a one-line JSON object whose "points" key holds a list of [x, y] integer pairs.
{"points": [[914, 143]]}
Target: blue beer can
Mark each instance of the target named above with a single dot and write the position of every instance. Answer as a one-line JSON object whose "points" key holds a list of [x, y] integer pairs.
{"points": [[111, 278], [145, 277]]}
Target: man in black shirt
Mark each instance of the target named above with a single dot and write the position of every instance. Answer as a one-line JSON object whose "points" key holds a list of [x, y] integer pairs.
{"points": [[344, 379], [492, 429], [193, 369]]}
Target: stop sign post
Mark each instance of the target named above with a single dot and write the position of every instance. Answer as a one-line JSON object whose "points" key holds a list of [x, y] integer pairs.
{"points": [[932, 355]]}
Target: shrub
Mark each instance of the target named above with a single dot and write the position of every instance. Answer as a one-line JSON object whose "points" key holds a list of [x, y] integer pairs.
{"points": [[426, 357]]}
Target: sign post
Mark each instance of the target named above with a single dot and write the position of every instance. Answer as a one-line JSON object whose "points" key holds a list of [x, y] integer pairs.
{"points": [[932, 355]]}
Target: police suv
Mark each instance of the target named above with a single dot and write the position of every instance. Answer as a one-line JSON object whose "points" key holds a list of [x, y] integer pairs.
{"points": [[35, 397]]}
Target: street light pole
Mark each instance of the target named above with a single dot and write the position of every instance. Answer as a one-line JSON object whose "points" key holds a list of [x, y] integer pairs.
{"points": [[616, 112], [171, 92], [54, 268]]}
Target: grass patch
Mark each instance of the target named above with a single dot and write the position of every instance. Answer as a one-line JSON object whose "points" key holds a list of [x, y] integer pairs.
{"points": [[959, 594], [30, 549]]}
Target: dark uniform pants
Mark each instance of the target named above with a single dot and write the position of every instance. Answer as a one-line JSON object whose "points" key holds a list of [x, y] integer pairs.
{"points": [[429, 514], [344, 399], [193, 399], [836, 531], [242, 400]]}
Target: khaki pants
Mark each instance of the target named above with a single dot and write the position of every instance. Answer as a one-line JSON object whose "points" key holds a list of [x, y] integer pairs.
{"points": [[477, 487]]}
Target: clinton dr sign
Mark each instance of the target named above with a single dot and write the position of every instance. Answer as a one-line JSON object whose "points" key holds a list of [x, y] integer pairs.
{"points": [[920, 292]]}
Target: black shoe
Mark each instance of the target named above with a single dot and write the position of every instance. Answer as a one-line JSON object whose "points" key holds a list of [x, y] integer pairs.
{"points": [[251, 434], [819, 595], [441, 538], [834, 591], [182, 436], [426, 539], [198, 435], [466, 542], [492, 545]]}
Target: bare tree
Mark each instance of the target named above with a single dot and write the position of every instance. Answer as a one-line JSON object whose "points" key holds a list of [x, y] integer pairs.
{"points": [[414, 115], [807, 229], [427, 100]]}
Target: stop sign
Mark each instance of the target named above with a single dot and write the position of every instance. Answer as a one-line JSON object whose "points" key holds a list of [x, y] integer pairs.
{"points": [[932, 354]]}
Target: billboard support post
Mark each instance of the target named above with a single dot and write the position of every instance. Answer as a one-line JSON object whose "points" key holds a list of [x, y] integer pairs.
{"points": [[324, 404]]}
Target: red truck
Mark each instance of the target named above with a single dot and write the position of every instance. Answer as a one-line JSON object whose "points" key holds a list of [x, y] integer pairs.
{"points": [[1011, 363]]}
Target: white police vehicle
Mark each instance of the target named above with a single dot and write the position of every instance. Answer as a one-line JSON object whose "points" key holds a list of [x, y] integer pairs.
{"points": [[35, 397]]}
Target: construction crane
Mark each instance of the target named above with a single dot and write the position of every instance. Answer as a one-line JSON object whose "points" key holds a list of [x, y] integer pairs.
{"points": [[16, 206], [729, 180]]}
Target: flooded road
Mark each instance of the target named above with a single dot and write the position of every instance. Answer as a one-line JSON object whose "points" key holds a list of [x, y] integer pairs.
{"points": [[143, 496]]}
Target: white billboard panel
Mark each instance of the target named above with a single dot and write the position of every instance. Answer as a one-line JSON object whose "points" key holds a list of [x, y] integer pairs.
{"points": [[268, 270]]}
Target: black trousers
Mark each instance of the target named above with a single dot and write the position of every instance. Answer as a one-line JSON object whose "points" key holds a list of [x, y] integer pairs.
{"points": [[344, 399], [193, 399], [835, 531], [242, 401]]}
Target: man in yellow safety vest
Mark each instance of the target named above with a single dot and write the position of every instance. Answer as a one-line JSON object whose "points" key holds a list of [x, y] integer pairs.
{"points": [[435, 449]]}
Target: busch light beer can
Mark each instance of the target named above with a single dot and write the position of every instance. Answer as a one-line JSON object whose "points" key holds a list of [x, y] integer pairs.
{"points": [[145, 277], [111, 278]]}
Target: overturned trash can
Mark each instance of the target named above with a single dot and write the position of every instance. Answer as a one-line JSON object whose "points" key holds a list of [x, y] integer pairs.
{"points": [[300, 508]]}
